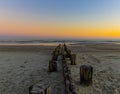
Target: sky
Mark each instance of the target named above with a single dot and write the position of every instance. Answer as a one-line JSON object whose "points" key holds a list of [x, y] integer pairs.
{"points": [[73, 19]]}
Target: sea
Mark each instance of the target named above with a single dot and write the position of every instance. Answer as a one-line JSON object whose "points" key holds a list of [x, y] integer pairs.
{"points": [[56, 42]]}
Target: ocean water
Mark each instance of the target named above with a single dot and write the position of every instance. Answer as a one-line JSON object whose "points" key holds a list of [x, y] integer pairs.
{"points": [[50, 43], [35, 43]]}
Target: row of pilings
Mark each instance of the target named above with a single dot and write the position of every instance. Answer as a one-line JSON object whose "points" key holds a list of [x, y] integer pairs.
{"points": [[54, 59], [65, 54], [46, 89], [86, 71], [68, 81]]}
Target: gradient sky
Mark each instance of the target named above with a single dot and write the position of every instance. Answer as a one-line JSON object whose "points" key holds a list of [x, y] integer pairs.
{"points": [[60, 18]]}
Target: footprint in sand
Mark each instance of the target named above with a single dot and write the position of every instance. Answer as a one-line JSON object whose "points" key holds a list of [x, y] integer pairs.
{"points": [[25, 62], [22, 66]]}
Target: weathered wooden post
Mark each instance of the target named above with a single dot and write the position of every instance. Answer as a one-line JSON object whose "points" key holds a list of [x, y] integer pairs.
{"points": [[73, 59], [65, 47], [86, 73], [52, 66], [54, 55], [39, 89], [68, 53]]}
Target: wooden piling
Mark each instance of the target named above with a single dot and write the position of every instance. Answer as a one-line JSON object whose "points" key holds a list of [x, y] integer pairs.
{"points": [[73, 59], [65, 47], [68, 53], [69, 85], [86, 73]]}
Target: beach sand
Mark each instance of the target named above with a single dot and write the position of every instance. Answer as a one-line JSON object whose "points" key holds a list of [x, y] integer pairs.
{"points": [[23, 66], [105, 59]]}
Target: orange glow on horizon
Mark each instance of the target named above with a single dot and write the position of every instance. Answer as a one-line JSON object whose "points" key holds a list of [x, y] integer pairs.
{"points": [[59, 30]]}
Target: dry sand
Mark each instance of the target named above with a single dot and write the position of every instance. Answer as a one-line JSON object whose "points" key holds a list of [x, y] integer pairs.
{"points": [[105, 59], [23, 66]]}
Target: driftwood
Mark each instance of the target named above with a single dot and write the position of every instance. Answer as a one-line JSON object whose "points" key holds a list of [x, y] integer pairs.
{"points": [[39, 89], [73, 59], [86, 73], [52, 66]]}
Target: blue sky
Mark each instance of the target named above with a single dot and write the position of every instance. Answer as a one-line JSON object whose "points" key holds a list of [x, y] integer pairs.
{"points": [[60, 11], [61, 8]]}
